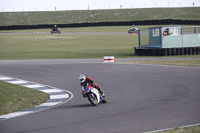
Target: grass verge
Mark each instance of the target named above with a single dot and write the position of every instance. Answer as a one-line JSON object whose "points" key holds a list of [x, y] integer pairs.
{"points": [[188, 63], [15, 98], [191, 129]]}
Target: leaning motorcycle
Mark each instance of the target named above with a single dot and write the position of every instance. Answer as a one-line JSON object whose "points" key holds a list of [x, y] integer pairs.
{"points": [[55, 31], [93, 94], [132, 30]]}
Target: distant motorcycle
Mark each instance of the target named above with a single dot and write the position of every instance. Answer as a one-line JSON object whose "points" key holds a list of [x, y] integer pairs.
{"points": [[93, 94], [133, 30], [55, 31]]}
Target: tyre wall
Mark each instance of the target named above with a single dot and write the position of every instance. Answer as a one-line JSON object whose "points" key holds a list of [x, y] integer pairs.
{"points": [[124, 23], [166, 51]]}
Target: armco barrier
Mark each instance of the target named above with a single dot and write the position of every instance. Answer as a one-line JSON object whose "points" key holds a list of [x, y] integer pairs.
{"points": [[88, 24]]}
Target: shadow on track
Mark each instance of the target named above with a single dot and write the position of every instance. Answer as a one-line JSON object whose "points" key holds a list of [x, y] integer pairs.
{"points": [[77, 106]]}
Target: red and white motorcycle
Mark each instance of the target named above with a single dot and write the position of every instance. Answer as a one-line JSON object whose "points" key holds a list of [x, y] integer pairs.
{"points": [[93, 94], [55, 31]]}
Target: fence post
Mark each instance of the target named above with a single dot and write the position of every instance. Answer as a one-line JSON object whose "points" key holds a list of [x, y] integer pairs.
{"points": [[139, 38], [195, 30]]}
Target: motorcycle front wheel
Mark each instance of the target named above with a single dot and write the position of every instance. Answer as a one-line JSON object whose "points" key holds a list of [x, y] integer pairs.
{"points": [[93, 99]]}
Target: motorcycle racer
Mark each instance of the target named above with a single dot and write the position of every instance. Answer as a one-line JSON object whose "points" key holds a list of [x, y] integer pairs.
{"points": [[134, 28], [89, 80], [55, 28]]}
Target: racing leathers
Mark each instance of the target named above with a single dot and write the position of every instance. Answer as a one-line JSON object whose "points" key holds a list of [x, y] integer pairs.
{"points": [[91, 82]]}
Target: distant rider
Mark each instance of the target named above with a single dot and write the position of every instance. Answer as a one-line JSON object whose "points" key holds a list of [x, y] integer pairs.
{"points": [[85, 80], [133, 28], [55, 28], [166, 32]]}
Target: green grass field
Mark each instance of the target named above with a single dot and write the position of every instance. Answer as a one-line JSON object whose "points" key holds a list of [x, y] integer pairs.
{"points": [[83, 16], [177, 62], [71, 46], [67, 46], [15, 98]]}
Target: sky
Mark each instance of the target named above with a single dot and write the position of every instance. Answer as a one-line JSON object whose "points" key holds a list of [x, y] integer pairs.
{"points": [[58, 5]]}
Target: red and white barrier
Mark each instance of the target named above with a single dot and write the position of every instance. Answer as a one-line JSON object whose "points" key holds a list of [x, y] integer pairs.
{"points": [[109, 58]]}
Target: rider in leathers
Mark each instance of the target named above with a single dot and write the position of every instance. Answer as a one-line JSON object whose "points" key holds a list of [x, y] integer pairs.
{"points": [[85, 79], [55, 28]]}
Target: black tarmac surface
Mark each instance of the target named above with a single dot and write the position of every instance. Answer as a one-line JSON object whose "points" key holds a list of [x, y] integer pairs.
{"points": [[140, 97]]}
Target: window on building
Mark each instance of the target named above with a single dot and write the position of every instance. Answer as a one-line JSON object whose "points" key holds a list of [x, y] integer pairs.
{"points": [[156, 32], [173, 30]]}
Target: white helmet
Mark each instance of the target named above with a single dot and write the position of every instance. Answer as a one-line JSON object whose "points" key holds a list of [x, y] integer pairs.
{"points": [[82, 78]]}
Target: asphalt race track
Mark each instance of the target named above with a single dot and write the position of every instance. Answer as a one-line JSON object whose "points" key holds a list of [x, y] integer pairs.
{"points": [[141, 98]]}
